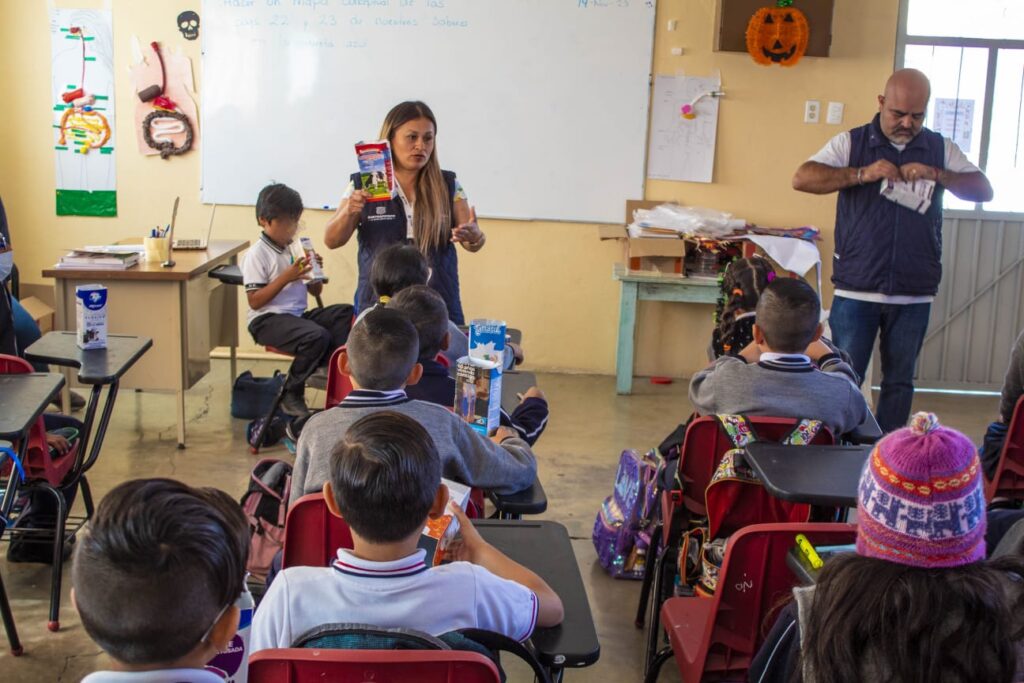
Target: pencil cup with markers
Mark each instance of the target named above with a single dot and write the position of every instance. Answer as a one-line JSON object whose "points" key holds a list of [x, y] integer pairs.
{"points": [[157, 249]]}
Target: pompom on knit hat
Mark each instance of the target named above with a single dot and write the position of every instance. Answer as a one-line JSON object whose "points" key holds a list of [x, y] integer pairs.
{"points": [[920, 498]]}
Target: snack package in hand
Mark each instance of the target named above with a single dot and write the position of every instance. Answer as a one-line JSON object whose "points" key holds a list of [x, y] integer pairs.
{"points": [[376, 170]]}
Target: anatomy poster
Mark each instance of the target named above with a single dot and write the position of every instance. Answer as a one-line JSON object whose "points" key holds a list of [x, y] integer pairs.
{"points": [[169, 119], [82, 87]]}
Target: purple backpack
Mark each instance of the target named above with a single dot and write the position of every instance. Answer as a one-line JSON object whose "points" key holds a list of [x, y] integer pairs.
{"points": [[622, 530]]}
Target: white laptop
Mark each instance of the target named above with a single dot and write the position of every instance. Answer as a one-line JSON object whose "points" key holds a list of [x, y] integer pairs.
{"points": [[194, 244]]}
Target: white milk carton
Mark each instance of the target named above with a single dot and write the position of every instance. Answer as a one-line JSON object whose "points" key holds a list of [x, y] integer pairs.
{"points": [[91, 316], [478, 393], [487, 340], [233, 663]]}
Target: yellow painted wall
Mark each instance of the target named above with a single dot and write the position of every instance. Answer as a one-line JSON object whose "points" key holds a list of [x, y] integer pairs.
{"points": [[552, 280]]}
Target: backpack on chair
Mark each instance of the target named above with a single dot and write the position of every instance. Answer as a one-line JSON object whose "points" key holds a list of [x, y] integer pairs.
{"points": [[736, 498], [622, 529], [265, 505]]}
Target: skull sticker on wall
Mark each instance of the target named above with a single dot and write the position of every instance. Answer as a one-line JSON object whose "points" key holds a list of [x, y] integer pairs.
{"points": [[188, 24]]}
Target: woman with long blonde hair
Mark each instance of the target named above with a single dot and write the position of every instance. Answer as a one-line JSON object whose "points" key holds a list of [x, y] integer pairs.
{"points": [[429, 209]]}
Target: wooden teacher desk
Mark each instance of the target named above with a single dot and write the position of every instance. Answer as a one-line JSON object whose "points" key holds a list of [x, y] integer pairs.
{"points": [[185, 312]]}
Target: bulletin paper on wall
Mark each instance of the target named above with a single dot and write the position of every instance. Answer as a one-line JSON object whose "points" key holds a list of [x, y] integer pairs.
{"points": [[82, 87], [684, 124], [954, 119]]}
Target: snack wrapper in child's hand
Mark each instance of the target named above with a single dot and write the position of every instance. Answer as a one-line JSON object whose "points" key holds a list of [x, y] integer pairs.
{"points": [[438, 534]]}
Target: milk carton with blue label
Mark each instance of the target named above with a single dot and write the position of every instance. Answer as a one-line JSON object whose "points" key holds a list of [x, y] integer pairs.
{"points": [[478, 376], [91, 316], [232, 664]]}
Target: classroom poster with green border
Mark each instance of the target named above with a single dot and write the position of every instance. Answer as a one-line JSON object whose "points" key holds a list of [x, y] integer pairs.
{"points": [[82, 58]]}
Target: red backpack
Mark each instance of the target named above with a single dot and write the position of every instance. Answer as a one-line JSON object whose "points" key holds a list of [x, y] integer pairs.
{"points": [[736, 498]]}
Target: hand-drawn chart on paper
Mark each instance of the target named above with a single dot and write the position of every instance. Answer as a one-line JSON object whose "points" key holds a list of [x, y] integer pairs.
{"points": [[82, 86], [684, 123]]}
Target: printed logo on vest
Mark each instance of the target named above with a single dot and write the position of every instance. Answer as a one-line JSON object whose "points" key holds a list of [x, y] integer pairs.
{"points": [[381, 210]]}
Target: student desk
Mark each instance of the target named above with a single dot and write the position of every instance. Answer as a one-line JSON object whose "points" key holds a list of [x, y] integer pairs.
{"points": [[638, 286], [185, 312], [97, 368], [819, 475], [545, 548], [23, 398]]}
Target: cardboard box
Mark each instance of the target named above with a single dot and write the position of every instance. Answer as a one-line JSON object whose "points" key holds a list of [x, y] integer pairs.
{"points": [[649, 254], [478, 394], [40, 312]]}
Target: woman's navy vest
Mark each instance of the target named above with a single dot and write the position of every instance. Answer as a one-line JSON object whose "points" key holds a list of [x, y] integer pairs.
{"points": [[881, 246], [383, 224]]}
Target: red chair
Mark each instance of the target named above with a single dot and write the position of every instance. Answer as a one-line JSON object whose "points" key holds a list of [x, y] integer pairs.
{"points": [[338, 385], [715, 639], [379, 666], [312, 534], [44, 472], [1008, 480], [39, 464], [703, 447]]}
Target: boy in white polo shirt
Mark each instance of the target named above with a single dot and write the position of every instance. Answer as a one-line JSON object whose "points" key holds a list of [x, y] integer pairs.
{"points": [[385, 481], [277, 292]]}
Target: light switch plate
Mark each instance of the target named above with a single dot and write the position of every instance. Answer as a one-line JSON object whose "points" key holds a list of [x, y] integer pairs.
{"points": [[835, 113]]}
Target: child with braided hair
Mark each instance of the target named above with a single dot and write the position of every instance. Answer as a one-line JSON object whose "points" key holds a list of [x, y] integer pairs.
{"points": [[742, 284]]}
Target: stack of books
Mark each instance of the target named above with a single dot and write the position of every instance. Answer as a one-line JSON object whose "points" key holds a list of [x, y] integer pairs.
{"points": [[88, 259]]}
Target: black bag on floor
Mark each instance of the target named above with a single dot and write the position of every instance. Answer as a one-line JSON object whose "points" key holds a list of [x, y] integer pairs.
{"points": [[270, 430], [38, 511], [251, 397]]}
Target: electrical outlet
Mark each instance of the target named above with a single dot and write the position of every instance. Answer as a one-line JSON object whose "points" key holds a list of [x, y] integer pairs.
{"points": [[834, 113], [677, 51], [812, 111], [672, 24]]}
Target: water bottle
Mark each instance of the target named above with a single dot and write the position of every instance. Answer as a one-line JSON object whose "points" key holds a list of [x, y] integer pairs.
{"points": [[232, 664]]}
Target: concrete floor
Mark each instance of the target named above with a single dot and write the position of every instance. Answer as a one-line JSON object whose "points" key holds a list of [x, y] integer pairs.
{"points": [[589, 427]]}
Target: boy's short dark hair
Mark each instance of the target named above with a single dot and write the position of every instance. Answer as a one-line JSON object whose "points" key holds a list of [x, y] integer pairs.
{"points": [[788, 314], [397, 267], [428, 313], [382, 349], [158, 565], [385, 473], [278, 201]]}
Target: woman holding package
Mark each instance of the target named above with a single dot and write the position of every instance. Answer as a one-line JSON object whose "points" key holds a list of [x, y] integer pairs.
{"points": [[428, 209]]}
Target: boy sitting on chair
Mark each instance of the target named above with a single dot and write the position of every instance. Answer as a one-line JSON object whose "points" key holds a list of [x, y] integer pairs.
{"points": [[156, 577], [385, 482], [787, 371], [276, 286], [428, 313], [380, 360]]}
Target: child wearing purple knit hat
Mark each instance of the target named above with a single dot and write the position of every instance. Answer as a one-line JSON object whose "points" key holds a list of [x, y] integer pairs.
{"points": [[918, 601]]}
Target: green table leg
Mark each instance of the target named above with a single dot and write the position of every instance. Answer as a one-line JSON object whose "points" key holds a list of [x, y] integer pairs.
{"points": [[627, 330]]}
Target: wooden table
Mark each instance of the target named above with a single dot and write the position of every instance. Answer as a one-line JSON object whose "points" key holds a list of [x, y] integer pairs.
{"points": [[638, 286], [185, 312]]}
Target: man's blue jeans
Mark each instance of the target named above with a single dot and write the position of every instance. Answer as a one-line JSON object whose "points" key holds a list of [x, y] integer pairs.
{"points": [[855, 324]]}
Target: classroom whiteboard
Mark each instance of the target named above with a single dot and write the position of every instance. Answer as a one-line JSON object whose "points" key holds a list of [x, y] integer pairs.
{"points": [[541, 104]]}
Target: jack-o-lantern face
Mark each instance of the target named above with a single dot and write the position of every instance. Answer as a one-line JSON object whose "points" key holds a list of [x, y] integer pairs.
{"points": [[777, 35]]}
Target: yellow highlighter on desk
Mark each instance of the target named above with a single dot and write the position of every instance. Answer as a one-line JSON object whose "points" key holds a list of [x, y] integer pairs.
{"points": [[809, 553]]}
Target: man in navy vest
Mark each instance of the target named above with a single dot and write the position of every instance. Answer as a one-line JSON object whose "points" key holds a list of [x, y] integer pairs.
{"points": [[886, 268]]}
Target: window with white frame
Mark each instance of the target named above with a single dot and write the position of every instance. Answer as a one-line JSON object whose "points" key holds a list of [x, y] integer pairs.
{"points": [[973, 53]]}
